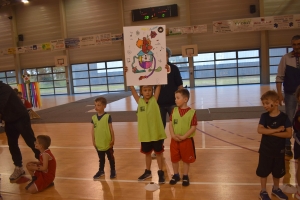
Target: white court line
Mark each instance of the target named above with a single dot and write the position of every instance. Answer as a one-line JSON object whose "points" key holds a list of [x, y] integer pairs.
{"points": [[136, 181], [137, 148]]}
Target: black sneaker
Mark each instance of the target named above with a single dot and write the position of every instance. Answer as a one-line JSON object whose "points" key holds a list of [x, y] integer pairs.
{"points": [[288, 151], [185, 180], [98, 174], [279, 194], [264, 196], [147, 174], [113, 174], [175, 179], [161, 176]]}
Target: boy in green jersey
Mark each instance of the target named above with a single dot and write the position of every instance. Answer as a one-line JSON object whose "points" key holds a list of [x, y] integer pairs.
{"points": [[103, 137], [183, 122]]}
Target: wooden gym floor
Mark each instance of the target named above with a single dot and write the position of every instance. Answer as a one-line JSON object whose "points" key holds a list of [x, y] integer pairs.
{"points": [[225, 167]]}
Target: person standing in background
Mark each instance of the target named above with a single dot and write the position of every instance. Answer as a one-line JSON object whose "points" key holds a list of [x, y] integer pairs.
{"points": [[289, 76]]}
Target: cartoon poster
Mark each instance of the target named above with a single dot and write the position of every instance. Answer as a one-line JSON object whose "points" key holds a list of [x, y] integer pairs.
{"points": [[145, 55]]}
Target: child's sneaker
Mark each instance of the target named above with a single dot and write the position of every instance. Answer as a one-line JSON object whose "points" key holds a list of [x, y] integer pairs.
{"points": [[279, 194], [18, 172], [113, 174], [263, 195], [161, 176], [147, 174], [185, 180], [175, 179], [98, 174]]}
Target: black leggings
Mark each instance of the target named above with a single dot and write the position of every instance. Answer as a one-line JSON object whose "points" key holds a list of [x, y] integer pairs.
{"points": [[110, 157], [13, 130]]}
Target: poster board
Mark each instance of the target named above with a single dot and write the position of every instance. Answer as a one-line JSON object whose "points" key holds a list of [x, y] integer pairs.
{"points": [[145, 55]]}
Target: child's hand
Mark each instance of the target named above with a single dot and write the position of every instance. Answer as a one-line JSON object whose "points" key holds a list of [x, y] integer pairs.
{"points": [[280, 129], [175, 137], [181, 137], [111, 144], [168, 68]]}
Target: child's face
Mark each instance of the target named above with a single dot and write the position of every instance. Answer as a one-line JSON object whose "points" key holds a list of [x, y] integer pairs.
{"points": [[99, 107], [147, 92], [37, 145], [269, 104], [180, 100]]}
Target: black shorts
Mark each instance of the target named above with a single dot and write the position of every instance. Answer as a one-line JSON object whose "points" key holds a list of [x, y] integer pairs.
{"points": [[274, 165], [156, 146]]}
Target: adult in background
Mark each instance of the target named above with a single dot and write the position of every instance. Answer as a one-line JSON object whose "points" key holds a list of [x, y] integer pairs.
{"points": [[17, 122], [166, 99], [289, 76]]}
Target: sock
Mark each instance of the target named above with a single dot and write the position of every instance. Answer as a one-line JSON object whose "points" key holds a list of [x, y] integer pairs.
{"points": [[177, 174]]}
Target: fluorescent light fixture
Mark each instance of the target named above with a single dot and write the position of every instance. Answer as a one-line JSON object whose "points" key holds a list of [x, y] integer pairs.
{"points": [[25, 1]]}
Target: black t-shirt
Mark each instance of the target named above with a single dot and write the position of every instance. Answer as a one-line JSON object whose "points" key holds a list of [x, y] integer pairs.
{"points": [[167, 92], [271, 145]]}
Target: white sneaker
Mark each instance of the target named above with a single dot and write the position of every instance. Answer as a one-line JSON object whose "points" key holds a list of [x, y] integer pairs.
{"points": [[18, 172]]}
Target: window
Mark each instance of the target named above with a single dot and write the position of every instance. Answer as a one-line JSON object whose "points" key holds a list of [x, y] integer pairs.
{"points": [[275, 55], [183, 66], [52, 79], [98, 77], [227, 68], [9, 77]]}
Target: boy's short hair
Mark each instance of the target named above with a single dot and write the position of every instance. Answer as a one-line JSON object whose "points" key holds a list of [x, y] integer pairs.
{"points": [[141, 87], [16, 90], [184, 92], [44, 140], [297, 93], [102, 100], [271, 94], [20, 93]]}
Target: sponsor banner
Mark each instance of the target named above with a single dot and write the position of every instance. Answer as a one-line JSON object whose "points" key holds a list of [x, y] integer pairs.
{"points": [[200, 28], [87, 41], [58, 44], [72, 43]]}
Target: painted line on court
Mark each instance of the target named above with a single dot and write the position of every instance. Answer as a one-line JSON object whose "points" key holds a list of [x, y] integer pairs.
{"points": [[136, 181], [135, 148]]}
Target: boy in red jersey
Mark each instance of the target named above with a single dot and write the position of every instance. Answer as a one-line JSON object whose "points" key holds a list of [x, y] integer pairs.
{"points": [[183, 122], [43, 172]]}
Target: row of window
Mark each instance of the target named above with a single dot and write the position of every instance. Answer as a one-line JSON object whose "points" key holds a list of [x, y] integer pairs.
{"points": [[210, 69]]}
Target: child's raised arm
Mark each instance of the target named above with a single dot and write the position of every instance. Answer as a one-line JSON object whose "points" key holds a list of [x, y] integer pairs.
{"points": [[157, 91], [133, 91], [134, 94]]}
